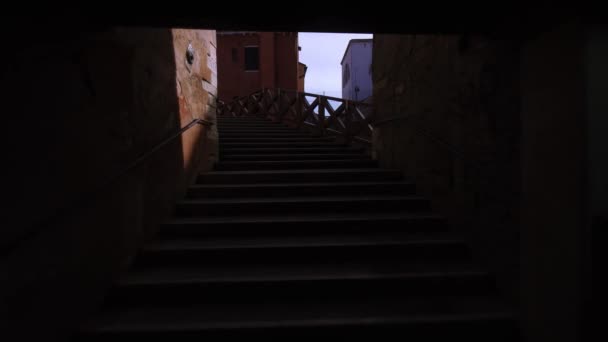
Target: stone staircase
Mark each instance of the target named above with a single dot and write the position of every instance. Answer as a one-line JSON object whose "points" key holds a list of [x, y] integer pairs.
{"points": [[294, 236]]}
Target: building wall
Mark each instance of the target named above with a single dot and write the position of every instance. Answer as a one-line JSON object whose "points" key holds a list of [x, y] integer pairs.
{"points": [[301, 77], [85, 105], [359, 58], [287, 60], [347, 64], [362, 75], [268, 61], [233, 80], [464, 92], [278, 63]]}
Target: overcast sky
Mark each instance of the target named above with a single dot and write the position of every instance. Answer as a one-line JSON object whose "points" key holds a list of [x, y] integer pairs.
{"points": [[322, 53]]}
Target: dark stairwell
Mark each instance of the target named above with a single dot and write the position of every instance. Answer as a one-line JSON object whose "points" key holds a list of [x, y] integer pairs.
{"points": [[81, 106], [313, 240]]}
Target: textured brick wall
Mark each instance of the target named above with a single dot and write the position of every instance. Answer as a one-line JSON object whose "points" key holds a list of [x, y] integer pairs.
{"points": [[464, 92], [83, 106]]}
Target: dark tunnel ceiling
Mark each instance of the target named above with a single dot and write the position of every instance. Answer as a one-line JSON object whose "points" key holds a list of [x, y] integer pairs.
{"points": [[401, 18]]}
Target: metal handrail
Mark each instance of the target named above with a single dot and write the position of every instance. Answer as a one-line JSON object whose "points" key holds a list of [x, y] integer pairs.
{"points": [[86, 199]]}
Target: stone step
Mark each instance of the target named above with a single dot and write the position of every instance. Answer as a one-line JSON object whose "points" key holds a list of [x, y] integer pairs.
{"points": [[301, 226], [300, 189], [300, 205], [292, 176], [294, 164]]}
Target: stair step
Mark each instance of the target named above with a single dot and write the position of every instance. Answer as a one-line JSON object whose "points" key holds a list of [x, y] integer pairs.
{"points": [[294, 164], [300, 189], [289, 134], [300, 205], [246, 122], [290, 151], [454, 258], [224, 140], [289, 253], [242, 118], [312, 175], [279, 144], [302, 225], [282, 274], [302, 156], [230, 123], [250, 126], [326, 240], [369, 320], [191, 287], [269, 130]]}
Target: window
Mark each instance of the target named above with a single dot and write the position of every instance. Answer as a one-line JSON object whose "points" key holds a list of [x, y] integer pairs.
{"points": [[235, 56], [346, 75], [252, 58]]}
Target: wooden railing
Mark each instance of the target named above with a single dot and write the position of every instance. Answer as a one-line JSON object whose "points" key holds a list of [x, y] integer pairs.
{"points": [[325, 115]]}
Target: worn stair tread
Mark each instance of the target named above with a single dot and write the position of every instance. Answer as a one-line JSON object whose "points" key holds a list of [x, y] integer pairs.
{"points": [[314, 272], [225, 123], [290, 252], [300, 199], [238, 122], [300, 171], [265, 136], [244, 144], [303, 224], [174, 278], [294, 162], [251, 124], [182, 319], [246, 205], [223, 132], [308, 142], [348, 174], [295, 185], [243, 118], [291, 150], [253, 134], [312, 218], [264, 123], [253, 129], [272, 139], [295, 242], [302, 156], [300, 189], [276, 132], [254, 121]]}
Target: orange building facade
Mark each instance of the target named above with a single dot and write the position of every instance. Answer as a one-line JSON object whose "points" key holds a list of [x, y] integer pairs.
{"points": [[250, 61]]}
